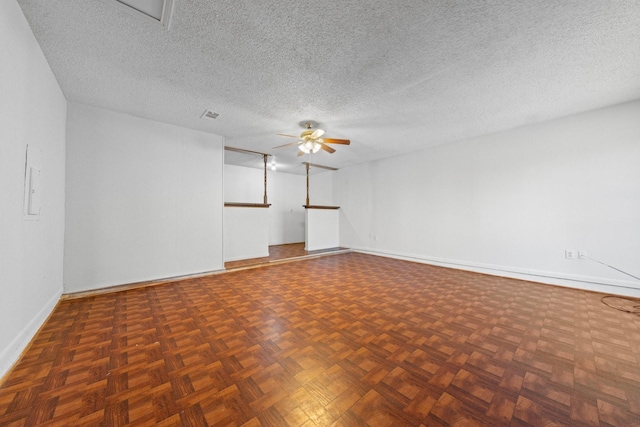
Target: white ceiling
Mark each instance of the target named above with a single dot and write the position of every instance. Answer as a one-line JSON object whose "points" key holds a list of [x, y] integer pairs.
{"points": [[393, 77]]}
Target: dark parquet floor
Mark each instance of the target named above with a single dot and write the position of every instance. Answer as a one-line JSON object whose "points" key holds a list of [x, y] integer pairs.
{"points": [[343, 340]]}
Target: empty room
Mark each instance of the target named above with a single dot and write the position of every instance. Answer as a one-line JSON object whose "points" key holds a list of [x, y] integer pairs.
{"points": [[319, 213]]}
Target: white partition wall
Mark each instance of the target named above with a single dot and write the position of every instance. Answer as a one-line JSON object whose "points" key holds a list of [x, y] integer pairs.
{"points": [[322, 230], [246, 233]]}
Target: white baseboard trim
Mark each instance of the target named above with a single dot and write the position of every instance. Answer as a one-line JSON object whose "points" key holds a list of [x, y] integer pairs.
{"points": [[596, 284], [10, 355], [118, 287]]}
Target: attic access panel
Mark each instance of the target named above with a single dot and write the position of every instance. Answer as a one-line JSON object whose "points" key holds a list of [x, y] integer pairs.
{"points": [[158, 10]]}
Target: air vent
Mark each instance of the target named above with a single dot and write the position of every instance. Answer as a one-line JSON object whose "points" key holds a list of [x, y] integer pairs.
{"points": [[209, 115]]}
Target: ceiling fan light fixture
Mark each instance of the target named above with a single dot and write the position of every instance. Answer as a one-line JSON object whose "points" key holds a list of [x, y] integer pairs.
{"points": [[310, 147], [311, 141], [305, 147]]}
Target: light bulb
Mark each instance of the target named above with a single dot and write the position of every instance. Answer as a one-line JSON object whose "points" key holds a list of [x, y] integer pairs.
{"points": [[306, 147]]}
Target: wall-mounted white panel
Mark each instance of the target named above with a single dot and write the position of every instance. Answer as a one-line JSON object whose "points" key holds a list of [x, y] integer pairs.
{"points": [[33, 192]]}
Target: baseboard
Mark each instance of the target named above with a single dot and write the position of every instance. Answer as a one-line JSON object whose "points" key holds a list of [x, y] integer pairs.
{"points": [[285, 244], [136, 285], [20, 343], [243, 257], [595, 284]]}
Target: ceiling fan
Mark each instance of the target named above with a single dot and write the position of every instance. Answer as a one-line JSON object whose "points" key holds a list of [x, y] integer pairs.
{"points": [[311, 141]]}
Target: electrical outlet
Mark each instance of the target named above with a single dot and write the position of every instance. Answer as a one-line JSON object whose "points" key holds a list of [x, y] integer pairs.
{"points": [[569, 254], [582, 254]]}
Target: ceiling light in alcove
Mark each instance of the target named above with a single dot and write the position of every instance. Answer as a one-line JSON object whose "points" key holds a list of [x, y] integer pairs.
{"points": [[158, 10], [273, 164]]}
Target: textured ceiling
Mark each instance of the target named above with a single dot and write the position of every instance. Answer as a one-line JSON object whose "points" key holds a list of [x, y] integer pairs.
{"points": [[393, 77]]}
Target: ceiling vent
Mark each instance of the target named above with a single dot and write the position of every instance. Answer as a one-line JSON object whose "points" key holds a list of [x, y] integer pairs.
{"points": [[157, 10], [209, 115]]}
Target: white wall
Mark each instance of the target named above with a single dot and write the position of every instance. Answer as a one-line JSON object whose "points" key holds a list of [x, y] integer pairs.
{"points": [[288, 194], [510, 203], [144, 200], [244, 185], [286, 222], [321, 188], [32, 112], [285, 192]]}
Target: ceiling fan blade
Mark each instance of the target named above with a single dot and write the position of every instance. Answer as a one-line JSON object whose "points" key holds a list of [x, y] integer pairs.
{"points": [[336, 141], [327, 148], [300, 153], [286, 145], [290, 136], [317, 133]]}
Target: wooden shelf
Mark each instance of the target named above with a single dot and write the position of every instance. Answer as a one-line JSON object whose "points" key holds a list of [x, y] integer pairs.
{"points": [[246, 205], [320, 207]]}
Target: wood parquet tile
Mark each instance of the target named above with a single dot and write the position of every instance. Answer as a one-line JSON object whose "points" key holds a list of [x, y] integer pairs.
{"points": [[343, 340]]}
